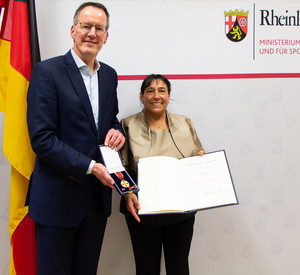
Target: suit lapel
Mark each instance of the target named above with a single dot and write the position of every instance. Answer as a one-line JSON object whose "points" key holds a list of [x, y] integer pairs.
{"points": [[101, 75], [77, 81]]}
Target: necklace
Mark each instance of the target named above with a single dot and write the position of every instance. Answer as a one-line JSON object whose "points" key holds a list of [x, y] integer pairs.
{"points": [[160, 123]]}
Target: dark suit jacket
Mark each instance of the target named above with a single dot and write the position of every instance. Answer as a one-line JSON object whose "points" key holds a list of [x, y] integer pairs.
{"points": [[64, 137]]}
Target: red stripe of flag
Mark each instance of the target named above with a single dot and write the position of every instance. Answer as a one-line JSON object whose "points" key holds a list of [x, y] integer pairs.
{"points": [[6, 21], [24, 247], [20, 40]]}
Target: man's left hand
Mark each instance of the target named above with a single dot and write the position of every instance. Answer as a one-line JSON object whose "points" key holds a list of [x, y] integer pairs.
{"points": [[114, 139]]}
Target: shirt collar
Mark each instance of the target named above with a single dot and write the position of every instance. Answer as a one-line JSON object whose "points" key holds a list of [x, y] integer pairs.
{"points": [[81, 65]]}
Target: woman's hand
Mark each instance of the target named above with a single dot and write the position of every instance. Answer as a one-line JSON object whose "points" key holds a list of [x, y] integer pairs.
{"points": [[201, 152], [132, 205]]}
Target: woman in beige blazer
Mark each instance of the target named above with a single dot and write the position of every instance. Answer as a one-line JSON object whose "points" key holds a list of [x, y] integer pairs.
{"points": [[156, 132]]}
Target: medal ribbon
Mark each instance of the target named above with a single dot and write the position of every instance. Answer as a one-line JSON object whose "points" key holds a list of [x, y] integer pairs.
{"points": [[119, 175]]}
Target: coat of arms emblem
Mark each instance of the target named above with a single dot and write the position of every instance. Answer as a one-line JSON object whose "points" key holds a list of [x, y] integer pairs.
{"points": [[236, 23]]}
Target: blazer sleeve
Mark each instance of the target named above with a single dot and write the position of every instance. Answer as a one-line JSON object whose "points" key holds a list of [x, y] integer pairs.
{"points": [[184, 135]]}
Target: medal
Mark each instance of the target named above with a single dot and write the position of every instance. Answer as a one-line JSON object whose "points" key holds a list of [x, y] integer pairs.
{"points": [[124, 183]]}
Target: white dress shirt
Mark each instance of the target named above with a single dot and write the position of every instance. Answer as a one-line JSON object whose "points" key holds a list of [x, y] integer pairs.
{"points": [[92, 87]]}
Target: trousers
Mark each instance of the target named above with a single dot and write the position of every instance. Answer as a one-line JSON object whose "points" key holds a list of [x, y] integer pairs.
{"points": [[74, 250], [149, 238]]}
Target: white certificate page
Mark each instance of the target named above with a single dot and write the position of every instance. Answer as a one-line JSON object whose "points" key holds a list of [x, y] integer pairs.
{"points": [[208, 181], [168, 184]]}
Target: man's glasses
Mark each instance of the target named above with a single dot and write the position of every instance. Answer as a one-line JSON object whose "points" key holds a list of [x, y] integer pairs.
{"points": [[86, 27]]}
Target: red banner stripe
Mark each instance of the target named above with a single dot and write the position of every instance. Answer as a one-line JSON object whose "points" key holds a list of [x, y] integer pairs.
{"points": [[215, 76]]}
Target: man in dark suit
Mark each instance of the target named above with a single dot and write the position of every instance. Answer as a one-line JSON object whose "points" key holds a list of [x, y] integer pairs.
{"points": [[72, 108]]}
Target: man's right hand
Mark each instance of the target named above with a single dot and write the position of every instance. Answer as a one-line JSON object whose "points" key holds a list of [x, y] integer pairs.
{"points": [[100, 171]]}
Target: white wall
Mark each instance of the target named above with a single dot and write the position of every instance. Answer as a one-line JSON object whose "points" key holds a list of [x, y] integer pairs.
{"points": [[255, 120], [4, 207]]}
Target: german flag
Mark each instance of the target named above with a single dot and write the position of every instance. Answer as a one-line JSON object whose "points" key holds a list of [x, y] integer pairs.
{"points": [[19, 51]]}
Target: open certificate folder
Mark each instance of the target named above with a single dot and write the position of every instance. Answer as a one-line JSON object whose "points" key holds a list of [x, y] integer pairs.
{"points": [[178, 185]]}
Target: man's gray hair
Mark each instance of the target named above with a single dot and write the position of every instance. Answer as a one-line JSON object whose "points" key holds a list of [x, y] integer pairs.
{"points": [[93, 4]]}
